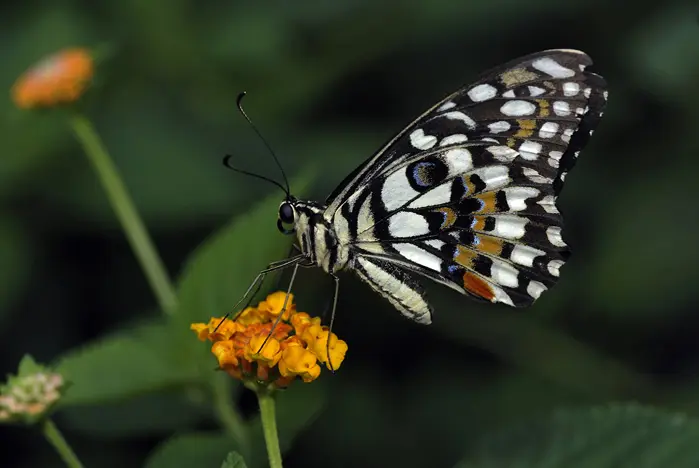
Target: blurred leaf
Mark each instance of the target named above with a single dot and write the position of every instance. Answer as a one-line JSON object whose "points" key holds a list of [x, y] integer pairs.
{"points": [[124, 365], [233, 460], [297, 408], [617, 436], [663, 54], [149, 415], [524, 341], [196, 449], [150, 142], [633, 271], [220, 270]]}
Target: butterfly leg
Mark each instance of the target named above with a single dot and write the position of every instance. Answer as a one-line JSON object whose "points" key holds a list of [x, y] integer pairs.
{"points": [[332, 319], [286, 300], [278, 265]]}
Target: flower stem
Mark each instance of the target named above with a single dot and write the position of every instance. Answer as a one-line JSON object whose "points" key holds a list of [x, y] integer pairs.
{"points": [[54, 436], [126, 212], [266, 401]]}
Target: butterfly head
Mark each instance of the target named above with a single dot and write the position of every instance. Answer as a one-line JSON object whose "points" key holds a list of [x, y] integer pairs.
{"points": [[287, 216]]}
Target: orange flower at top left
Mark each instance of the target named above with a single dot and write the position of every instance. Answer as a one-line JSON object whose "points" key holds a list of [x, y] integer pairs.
{"points": [[61, 78]]}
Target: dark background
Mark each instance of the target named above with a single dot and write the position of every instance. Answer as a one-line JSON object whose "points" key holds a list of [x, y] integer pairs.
{"points": [[328, 83]]}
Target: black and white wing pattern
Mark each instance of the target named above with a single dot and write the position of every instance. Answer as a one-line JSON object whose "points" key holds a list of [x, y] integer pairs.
{"points": [[466, 194]]}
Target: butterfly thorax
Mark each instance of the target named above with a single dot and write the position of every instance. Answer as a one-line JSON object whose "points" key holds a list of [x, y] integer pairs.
{"points": [[317, 238]]}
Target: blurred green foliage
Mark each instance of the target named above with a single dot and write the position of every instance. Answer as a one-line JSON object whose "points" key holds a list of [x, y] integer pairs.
{"points": [[328, 82]]}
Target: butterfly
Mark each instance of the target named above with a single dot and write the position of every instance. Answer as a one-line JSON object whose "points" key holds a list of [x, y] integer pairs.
{"points": [[465, 195]]}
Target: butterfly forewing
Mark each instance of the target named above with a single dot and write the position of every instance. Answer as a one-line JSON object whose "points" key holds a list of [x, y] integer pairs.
{"points": [[466, 194]]}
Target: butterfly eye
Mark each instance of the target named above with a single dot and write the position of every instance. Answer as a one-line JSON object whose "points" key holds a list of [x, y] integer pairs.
{"points": [[286, 213], [286, 216]]}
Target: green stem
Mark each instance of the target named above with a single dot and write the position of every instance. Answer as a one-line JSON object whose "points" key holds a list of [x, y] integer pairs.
{"points": [[269, 427], [126, 212], [54, 436], [228, 416]]}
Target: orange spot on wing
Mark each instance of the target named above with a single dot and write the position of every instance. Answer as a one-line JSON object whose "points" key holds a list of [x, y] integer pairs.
{"points": [[488, 200], [469, 185], [490, 245], [478, 287], [465, 256], [526, 128], [479, 224], [449, 219]]}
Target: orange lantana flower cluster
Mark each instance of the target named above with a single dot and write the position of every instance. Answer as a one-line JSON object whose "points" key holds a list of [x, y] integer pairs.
{"points": [[61, 78], [296, 347]]}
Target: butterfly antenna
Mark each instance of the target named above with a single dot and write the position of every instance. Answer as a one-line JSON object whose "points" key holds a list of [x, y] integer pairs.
{"points": [[227, 163], [239, 103]]}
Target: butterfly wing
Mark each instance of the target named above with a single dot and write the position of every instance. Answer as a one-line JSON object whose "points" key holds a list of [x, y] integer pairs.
{"points": [[549, 87], [466, 194]]}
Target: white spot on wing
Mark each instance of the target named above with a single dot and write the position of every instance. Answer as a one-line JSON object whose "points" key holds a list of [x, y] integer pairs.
{"points": [[497, 127], [530, 150], [421, 141], [548, 203], [504, 274], [567, 133], [552, 68], [503, 153], [458, 160], [554, 235], [396, 190], [501, 296], [536, 91], [482, 92], [406, 224], [571, 89], [436, 243], [439, 195], [517, 196], [534, 176], [525, 255], [509, 227], [494, 176], [517, 108], [548, 130], [509, 94], [446, 105], [419, 256], [453, 139], [554, 267], [535, 288], [561, 108], [456, 115]]}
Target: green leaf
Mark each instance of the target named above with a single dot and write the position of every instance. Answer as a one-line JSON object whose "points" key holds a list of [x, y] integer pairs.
{"points": [[616, 436], [233, 460], [220, 270], [160, 414], [204, 449], [123, 365], [28, 366]]}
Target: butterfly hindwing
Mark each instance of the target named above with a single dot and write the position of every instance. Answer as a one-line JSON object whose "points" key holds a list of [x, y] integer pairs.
{"points": [[466, 194], [394, 283]]}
